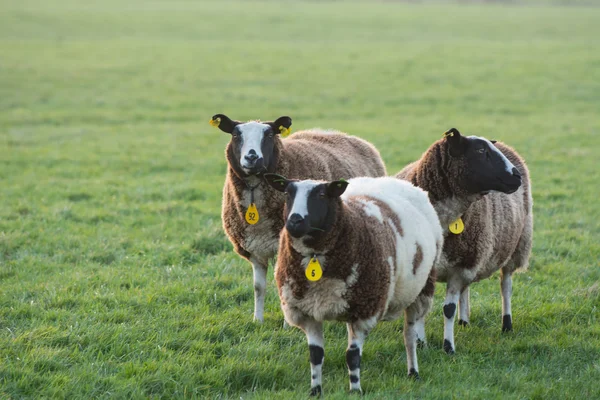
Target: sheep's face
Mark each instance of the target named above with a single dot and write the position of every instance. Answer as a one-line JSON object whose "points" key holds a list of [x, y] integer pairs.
{"points": [[484, 167], [253, 144], [253, 147], [310, 206]]}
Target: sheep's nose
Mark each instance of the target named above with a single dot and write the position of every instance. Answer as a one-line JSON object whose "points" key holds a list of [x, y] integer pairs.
{"points": [[251, 156], [295, 219], [516, 172]]}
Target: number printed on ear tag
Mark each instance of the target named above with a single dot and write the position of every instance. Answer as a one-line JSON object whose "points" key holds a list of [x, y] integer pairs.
{"points": [[457, 226], [314, 271], [252, 214]]}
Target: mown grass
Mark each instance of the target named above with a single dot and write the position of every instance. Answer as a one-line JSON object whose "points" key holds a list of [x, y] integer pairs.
{"points": [[116, 279]]}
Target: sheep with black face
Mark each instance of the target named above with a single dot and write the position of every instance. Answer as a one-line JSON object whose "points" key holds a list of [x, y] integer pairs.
{"points": [[252, 211], [481, 192], [359, 252]]}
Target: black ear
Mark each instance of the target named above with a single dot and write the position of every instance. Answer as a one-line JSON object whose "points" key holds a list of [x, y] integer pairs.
{"points": [[223, 122], [337, 188], [277, 182], [493, 141], [456, 143], [284, 122]]}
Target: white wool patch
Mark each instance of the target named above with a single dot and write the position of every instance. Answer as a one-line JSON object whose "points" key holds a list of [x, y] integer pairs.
{"points": [[508, 166], [252, 136], [303, 189], [372, 210], [353, 277]]}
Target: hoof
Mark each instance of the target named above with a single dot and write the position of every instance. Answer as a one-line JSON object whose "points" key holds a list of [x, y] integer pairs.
{"points": [[413, 374], [507, 323], [463, 323], [316, 391], [448, 347], [356, 392], [421, 344]]}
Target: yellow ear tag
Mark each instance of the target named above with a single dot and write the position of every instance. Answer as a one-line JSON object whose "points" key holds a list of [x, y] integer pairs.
{"points": [[457, 226], [215, 122], [314, 271], [285, 132], [252, 214]]}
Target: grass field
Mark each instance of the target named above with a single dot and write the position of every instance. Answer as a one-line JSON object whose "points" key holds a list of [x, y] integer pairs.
{"points": [[116, 279]]}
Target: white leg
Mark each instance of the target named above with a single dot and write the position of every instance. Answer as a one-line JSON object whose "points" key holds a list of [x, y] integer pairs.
{"points": [[506, 286], [464, 307], [410, 342], [314, 335], [452, 295], [357, 333], [260, 285]]}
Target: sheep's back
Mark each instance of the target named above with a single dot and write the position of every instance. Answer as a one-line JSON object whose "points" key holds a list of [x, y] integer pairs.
{"points": [[327, 155]]}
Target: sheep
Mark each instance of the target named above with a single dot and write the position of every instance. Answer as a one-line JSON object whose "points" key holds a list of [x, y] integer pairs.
{"points": [[356, 251], [252, 212], [481, 192]]}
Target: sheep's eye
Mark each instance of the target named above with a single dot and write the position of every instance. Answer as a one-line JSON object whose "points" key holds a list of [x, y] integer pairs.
{"points": [[322, 195], [270, 134], [481, 151]]}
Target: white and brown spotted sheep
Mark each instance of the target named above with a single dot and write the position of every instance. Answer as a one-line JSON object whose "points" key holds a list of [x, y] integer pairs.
{"points": [[376, 240], [256, 148], [480, 189]]}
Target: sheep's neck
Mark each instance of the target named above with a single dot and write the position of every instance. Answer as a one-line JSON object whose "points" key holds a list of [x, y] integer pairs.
{"points": [[451, 208], [336, 239], [431, 175]]}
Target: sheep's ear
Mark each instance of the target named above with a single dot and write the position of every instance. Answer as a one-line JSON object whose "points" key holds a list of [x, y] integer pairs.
{"points": [[337, 188], [277, 182], [281, 125], [493, 141], [223, 122], [456, 142]]}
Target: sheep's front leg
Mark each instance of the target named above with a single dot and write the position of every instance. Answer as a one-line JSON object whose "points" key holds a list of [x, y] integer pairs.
{"points": [[506, 286], [452, 295], [357, 333], [314, 335], [464, 307], [260, 285]]}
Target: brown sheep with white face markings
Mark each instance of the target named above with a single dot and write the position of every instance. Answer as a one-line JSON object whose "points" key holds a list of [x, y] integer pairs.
{"points": [[256, 148], [485, 184], [376, 241]]}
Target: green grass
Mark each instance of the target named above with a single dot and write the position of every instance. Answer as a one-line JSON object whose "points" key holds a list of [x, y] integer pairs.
{"points": [[116, 279]]}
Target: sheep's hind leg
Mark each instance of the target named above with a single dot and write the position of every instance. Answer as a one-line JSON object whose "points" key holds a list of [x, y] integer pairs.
{"points": [[420, 330], [506, 287], [260, 285], [464, 308], [421, 307], [357, 333], [452, 295], [410, 341], [314, 335]]}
